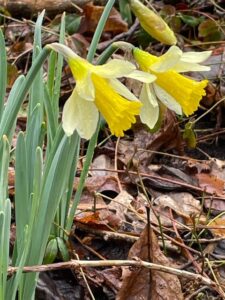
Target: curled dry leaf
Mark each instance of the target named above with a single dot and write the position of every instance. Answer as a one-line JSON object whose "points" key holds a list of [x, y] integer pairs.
{"points": [[102, 219], [183, 204], [109, 278], [93, 185], [218, 227], [102, 162], [137, 151], [120, 204], [211, 184], [92, 15], [141, 283], [99, 184]]}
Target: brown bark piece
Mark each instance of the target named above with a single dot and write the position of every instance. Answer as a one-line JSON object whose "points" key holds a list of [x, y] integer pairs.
{"points": [[28, 7]]}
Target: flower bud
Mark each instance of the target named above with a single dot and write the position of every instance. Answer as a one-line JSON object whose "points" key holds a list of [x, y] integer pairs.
{"points": [[152, 23]]}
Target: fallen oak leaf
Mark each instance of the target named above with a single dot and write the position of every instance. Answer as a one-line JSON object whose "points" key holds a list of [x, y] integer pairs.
{"points": [[211, 184], [140, 283], [217, 227], [92, 14]]}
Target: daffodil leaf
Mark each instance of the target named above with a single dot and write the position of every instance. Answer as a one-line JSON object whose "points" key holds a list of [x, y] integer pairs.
{"points": [[72, 23], [51, 251], [63, 250], [190, 20]]}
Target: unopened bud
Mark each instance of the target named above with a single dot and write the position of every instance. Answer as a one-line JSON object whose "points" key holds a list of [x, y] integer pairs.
{"points": [[152, 23]]}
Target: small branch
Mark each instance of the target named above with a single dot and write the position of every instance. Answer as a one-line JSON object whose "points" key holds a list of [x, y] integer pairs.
{"points": [[120, 37], [73, 264]]}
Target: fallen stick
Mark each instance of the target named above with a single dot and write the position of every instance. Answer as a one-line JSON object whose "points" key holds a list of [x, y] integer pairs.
{"points": [[109, 263]]}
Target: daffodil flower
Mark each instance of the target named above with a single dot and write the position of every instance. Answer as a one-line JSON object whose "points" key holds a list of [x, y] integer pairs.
{"points": [[97, 89], [179, 93]]}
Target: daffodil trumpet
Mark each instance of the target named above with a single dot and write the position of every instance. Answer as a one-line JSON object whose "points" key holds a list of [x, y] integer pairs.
{"points": [[177, 92], [98, 90]]}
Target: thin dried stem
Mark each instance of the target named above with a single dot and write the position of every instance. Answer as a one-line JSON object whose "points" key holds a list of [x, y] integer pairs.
{"points": [[109, 263]]}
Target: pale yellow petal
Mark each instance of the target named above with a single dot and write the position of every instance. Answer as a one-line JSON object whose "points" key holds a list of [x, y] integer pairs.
{"points": [[115, 68], [141, 76], [64, 50], [150, 110], [122, 89], [167, 60], [79, 115], [167, 99], [85, 88], [195, 57], [189, 66]]}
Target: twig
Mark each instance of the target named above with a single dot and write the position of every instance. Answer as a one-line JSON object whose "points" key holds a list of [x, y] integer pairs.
{"points": [[195, 293], [196, 188], [121, 36], [88, 248], [108, 235], [85, 280], [110, 263]]}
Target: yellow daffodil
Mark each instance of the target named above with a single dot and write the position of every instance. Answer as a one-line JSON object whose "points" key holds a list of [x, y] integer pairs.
{"points": [[179, 93], [97, 89], [153, 23]]}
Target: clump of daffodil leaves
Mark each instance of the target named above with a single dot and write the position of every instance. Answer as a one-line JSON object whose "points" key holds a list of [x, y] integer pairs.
{"points": [[98, 89]]}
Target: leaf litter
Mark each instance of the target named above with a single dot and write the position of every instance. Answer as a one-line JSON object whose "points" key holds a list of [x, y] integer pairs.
{"points": [[183, 188]]}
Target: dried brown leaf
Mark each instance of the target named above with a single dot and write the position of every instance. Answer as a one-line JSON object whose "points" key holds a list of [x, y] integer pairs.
{"points": [[136, 152], [212, 184], [183, 204], [102, 162], [103, 219], [92, 15], [120, 204], [220, 224], [141, 283]]}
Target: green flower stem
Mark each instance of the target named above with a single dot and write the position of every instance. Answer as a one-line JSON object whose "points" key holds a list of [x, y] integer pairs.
{"points": [[106, 54], [93, 140], [113, 48], [87, 163], [99, 30]]}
